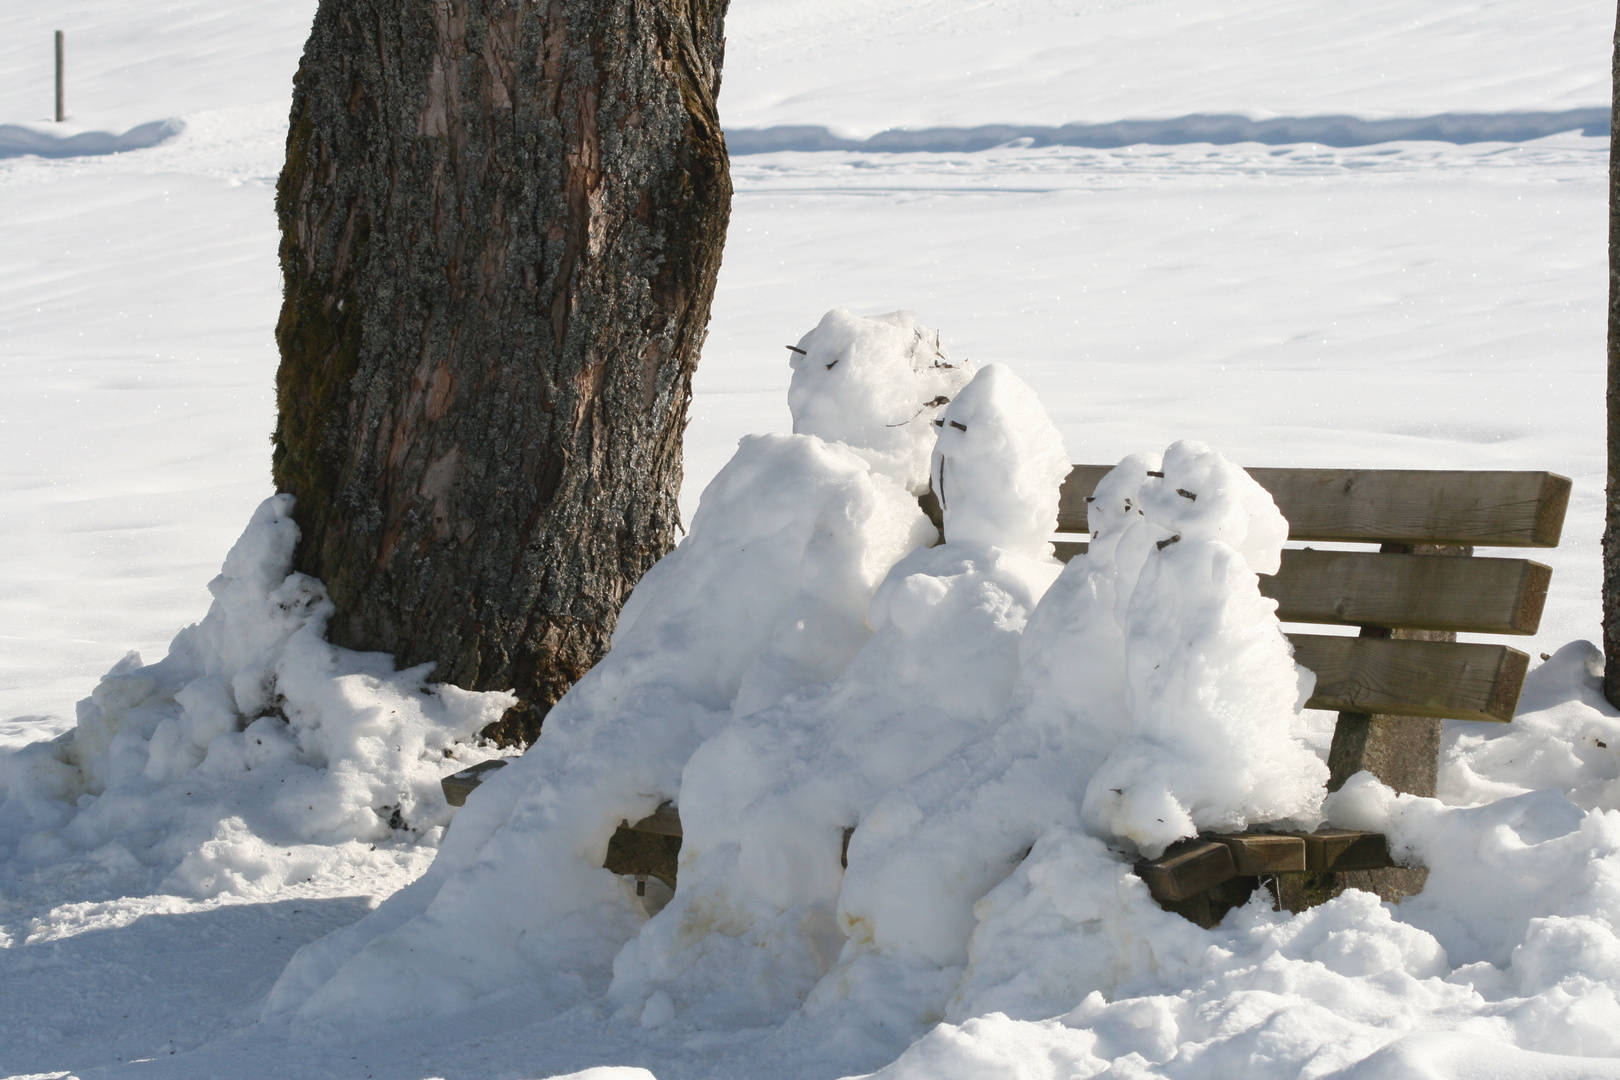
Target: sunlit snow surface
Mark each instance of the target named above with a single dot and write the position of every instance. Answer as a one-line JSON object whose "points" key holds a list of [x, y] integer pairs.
{"points": [[1402, 305]]}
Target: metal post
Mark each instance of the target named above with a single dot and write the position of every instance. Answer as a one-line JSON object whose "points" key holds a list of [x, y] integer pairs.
{"points": [[60, 112]]}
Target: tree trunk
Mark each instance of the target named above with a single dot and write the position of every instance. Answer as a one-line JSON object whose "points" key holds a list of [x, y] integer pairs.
{"points": [[1611, 530], [501, 224]]}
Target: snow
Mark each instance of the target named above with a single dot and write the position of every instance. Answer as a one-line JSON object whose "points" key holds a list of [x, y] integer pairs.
{"points": [[1401, 305], [858, 67], [875, 385], [769, 590], [252, 757], [70, 140], [1204, 673]]}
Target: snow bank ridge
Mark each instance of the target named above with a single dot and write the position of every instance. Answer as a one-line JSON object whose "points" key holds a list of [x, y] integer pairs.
{"points": [[1220, 129], [69, 140]]}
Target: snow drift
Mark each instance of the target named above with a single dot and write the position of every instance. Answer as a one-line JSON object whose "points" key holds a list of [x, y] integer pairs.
{"points": [[998, 736], [814, 659], [253, 756], [74, 140]]}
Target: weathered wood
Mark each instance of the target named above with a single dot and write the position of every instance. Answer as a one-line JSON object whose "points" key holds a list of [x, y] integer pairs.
{"points": [[1408, 506], [457, 786], [1072, 496], [648, 847], [1364, 588], [1402, 751], [1206, 864], [501, 225], [1328, 850], [1437, 679], [1209, 907], [1064, 550], [1423, 592], [1264, 853], [644, 854], [1187, 868], [664, 821], [1399, 748]]}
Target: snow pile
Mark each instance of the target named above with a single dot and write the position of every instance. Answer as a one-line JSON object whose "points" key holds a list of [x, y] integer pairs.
{"points": [[1210, 687], [767, 593], [765, 802], [996, 466], [1565, 737], [996, 738], [1132, 630], [1507, 964], [250, 754], [803, 672], [874, 384], [792, 657]]}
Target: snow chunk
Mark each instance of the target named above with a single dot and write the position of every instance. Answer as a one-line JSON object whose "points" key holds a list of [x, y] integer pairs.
{"points": [[1565, 737], [874, 384], [237, 763], [997, 465], [926, 856], [765, 801], [767, 593], [1210, 685]]}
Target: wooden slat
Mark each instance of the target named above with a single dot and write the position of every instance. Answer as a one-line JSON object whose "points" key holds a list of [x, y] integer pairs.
{"points": [[1448, 680], [1264, 853], [665, 821], [457, 786], [1408, 592], [1077, 487], [1406, 506], [1068, 549], [1187, 868], [644, 854], [1323, 851], [1328, 850], [1200, 863], [1414, 592]]}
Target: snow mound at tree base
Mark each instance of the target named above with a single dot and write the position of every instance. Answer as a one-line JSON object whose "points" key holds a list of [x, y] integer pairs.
{"points": [[803, 666], [1507, 964], [253, 758]]}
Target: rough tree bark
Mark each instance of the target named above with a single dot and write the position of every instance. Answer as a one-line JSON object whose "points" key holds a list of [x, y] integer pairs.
{"points": [[501, 225], [1611, 530]]}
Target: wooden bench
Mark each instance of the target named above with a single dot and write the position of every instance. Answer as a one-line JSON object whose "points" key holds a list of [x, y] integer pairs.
{"points": [[1409, 590]]}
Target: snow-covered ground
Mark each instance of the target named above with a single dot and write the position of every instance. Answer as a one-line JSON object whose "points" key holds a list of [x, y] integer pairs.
{"points": [[1401, 305]]}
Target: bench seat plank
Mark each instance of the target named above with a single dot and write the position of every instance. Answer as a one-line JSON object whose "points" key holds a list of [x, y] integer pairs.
{"points": [[1261, 854], [1404, 506], [664, 821], [1439, 679], [1186, 869], [457, 786], [1411, 592], [1335, 850], [1407, 592], [1189, 867]]}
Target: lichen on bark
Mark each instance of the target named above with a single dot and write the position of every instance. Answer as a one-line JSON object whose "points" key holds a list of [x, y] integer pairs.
{"points": [[501, 226]]}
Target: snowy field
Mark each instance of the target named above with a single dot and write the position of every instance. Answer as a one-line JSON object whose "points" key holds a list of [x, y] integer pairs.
{"points": [[1407, 304]]}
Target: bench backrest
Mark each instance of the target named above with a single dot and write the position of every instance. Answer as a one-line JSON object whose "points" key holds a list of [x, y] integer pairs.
{"points": [[1414, 515]]}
